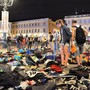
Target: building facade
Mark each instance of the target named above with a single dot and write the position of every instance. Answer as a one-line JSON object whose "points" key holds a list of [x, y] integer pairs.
{"points": [[83, 20], [37, 27]]}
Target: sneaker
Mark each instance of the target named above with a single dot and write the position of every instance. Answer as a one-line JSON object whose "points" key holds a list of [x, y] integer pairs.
{"points": [[85, 68]]}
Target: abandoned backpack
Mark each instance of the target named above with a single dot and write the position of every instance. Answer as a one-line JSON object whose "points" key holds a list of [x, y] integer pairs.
{"points": [[80, 35]]}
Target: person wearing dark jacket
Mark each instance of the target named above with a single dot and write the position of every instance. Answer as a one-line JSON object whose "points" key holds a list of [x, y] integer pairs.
{"points": [[9, 41], [64, 42]]}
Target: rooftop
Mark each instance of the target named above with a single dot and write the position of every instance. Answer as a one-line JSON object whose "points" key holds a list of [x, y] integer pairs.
{"points": [[77, 16]]}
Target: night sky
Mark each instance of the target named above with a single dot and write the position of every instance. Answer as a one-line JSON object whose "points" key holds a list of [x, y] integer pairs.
{"points": [[54, 9]]}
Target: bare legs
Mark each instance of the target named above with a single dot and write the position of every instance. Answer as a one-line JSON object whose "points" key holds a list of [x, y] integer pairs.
{"points": [[64, 54], [79, 59]]}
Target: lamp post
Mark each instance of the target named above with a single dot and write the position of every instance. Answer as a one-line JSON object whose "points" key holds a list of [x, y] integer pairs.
{"points": [[5, 17]]}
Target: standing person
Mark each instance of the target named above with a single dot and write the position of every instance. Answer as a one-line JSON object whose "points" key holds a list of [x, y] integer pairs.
{"points": [[36, 42], [26, 37], [79, 37], [64, 42], [19, 41], [56, 39], [43, 42], [23, 42], [30, 41], [51, 40], [9, 41]]}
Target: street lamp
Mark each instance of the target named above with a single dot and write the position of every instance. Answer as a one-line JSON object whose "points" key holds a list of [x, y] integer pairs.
{"points": [[6, 3], [5, 16]]}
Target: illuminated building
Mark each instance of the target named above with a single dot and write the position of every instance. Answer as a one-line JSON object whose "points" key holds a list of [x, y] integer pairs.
{"points": [[83, 20], [34, 27]]}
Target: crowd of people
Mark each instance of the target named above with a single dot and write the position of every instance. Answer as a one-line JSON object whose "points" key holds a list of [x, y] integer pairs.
{"points": [[61, 43], [28, 42], [37, 61]]}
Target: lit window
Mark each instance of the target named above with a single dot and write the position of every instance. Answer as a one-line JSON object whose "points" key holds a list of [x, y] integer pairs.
{"points": [[32, 24], [26, 31], [38, 24], [44, 30], [35, 30], [24, 25], [29, 31], [35, 24]]}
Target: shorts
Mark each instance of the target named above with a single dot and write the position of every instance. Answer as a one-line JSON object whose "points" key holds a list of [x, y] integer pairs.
{"points": [[79, 49], [66, 44]]}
